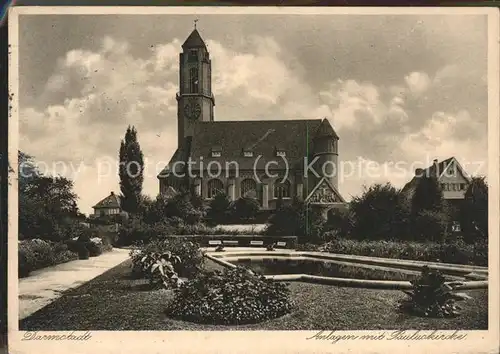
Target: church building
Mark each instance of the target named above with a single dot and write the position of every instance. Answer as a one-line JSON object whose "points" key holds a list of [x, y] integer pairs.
{"points": [[268, 160]]}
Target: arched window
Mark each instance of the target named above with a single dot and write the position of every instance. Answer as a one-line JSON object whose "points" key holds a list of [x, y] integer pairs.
{"points": [[215, 186], [193, 80], [282, 190], [249, 188]]}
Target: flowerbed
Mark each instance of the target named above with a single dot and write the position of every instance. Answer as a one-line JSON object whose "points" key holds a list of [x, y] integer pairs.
{"points": [[233, 296], [454, 252]]}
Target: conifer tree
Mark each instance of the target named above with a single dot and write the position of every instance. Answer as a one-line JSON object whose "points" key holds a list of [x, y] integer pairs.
{"points": [[131, 171]]}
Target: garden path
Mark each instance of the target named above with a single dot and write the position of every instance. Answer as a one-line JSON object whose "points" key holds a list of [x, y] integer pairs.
{"points": [[46, 285]]}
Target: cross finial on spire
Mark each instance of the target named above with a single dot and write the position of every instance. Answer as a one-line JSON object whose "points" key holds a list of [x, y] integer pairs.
{"points": [[195, 23]]}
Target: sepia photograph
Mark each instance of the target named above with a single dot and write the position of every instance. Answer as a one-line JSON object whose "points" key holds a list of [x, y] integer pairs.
{"points": [[222, 170]]}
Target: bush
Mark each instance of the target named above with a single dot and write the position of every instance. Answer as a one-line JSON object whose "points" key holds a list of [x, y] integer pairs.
{"points": [[457, 252], [218, 211], [93, 248], [180, 206], [430, 225], [233, 296], [83, 251], [189, 253], [380, 213], [36, 254], [297, 219], [340, 223], [432, 296], [481, 252], [159, 268], [135, 231], [244, 209]]}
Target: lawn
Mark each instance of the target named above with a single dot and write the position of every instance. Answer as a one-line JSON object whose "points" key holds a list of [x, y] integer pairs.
{"points": [[116, 301]]}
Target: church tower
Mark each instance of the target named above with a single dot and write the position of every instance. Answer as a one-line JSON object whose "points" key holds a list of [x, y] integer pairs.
{"points": [[195, 101], [325, 149]]}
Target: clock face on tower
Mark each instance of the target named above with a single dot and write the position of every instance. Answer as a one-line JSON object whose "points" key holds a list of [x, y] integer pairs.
{"points": [[192, 109]]}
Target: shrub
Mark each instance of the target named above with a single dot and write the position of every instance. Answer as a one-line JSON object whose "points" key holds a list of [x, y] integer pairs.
{"points": [[481, 252], [380, 213], [430, 225], [180, 206], [244, 208], [233, 296], [432, 296], [135, 231], [65, 256], [158, 268], [297, 219], [457, 252], [340, 223], [189, 252], [83, 251], [474, 210], [218, 209], [93, 248], [36, 254]]}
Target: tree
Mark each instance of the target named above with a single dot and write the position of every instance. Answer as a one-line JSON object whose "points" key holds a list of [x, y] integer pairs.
{"points": [[380, 213], [340, 223], [154, 211], [245, 208], [430, 214], [131, 171], [427, 196], [27, 170], [296, 219], [218, 209], [474, 211], [180, 207], [47, 205]]}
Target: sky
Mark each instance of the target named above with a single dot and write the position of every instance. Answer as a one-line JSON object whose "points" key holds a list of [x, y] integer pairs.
{"points": [[399, 90]]}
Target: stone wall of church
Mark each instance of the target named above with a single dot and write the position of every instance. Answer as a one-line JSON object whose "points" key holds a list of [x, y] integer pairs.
{"points": [[264, 187]]}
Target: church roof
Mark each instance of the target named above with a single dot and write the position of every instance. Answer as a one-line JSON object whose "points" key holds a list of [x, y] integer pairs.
{"points": [[111, 201], [263, 138], [194, 40], [326, 130]]}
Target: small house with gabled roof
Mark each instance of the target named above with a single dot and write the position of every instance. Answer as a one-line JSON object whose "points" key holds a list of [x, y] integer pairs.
{"points": [[451, 176], [454, 182], [108, 206]]}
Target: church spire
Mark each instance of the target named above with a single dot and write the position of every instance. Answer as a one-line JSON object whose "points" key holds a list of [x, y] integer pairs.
{"points": [[194, 40]]}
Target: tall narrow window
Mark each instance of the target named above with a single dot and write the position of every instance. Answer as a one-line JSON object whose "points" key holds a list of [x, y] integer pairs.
{"points": [[214, 187], [248, 188], [282, 190], [193, 80]]}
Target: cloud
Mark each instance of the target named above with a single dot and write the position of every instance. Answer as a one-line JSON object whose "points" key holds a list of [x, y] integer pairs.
{"points": [[93, 95], [418, 82]]}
